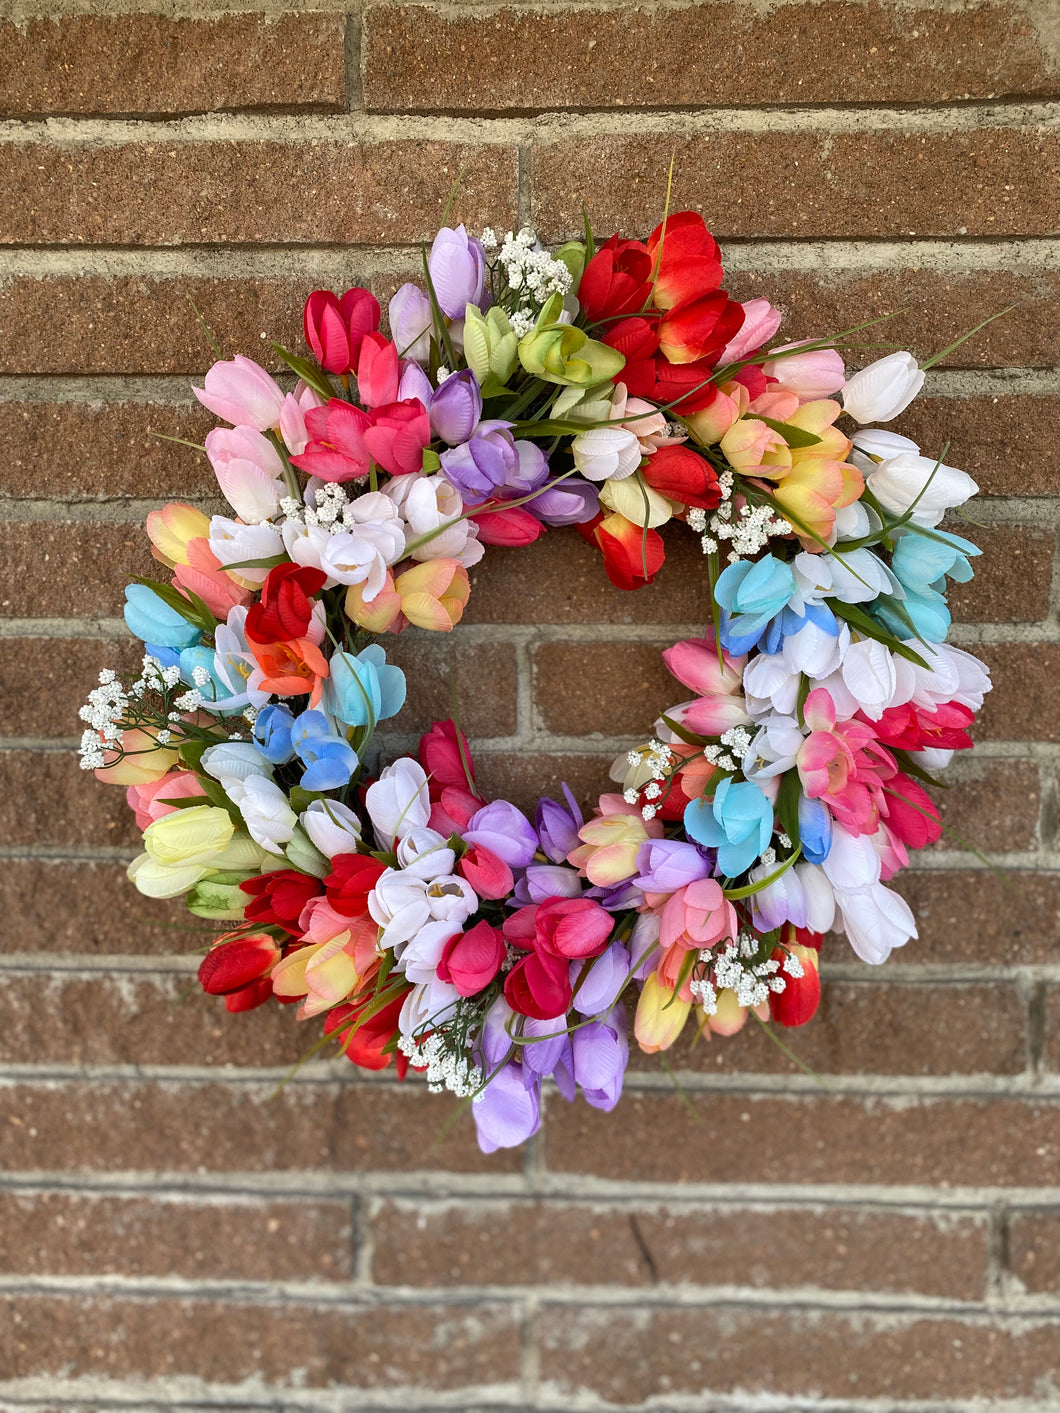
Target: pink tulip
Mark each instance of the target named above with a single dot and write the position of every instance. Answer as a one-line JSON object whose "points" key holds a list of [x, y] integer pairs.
{"points": [[205, 576], [489, 875], [399, 434], [697, 916], [816, 374], [760, 323], [572, 927], [292, 417], [694, 661], [378, 371], [241, 392], [150, 798], [336, 449], [248, 470], [334, 327], [471, 959]]}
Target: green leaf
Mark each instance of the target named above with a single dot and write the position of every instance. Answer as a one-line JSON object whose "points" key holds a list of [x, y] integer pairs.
{"points": [[175, 600], [590, 244], [270, 562], [306, 370], [788, 803], [300, 799], [860, 620], [750, 889], [493, 387], [794, 436]]}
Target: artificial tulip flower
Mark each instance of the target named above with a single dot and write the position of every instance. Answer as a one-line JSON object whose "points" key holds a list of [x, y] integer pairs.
{"points": [[681, 474], [398, 435], [249, 472], [411, 323], [335, 327], [172, 528], [880, 391], [140, 760], [687, 260], [616, 281], [661, 1016], [378, 371], [760, 323], [238, 966], [815, 374], [560, 353], [336, 450], [637, 502], [433, 594], [457, 267], [242, 393], [632, 555], [507, 525], [611, 842], [471, 959], [700, 329]]}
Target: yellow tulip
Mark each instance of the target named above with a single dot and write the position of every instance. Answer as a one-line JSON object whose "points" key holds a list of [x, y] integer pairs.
{"points": [[196, 836], [660, 1018]]}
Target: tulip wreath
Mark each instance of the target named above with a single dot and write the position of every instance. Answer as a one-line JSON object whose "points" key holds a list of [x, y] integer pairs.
{"points": [[612, 389]]}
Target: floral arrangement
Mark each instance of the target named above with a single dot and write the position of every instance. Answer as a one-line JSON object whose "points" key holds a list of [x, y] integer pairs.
{"points": [[611, 389]]}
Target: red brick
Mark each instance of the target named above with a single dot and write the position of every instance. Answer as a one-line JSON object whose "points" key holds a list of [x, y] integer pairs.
{"points": [[1013, 578], [1051, 1047], [70, 569], [418, 59], [152, 64], [169, 1126], [70, 449], [59, 906], [63, 672], [145, 324], [250, 1238], [992, 805], [124, 1019], [291, 1344], [484, 677], [982, 918], [1009, 442], [627, 1357], [875, 1027], [524, 777], [989, 181], [794, 1140], [561, 579], [931, 309], [46, 798], [1022, 704], [610, 688], [1034, 1250], [589, 1244], [223, 193]]}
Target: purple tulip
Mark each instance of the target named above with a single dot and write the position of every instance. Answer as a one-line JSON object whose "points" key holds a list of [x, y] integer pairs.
{"points": [[617, 898], [604, 980], [668, 864], [494, 1043], [529, 472], [542, 1056], [557, 828], [458, 270], [414, 383], [570, 502], [481, 464], [504, 830], [456, 407], [411, 322], [542, 881], [601, 1052], [506, 1112], [644, 946]]}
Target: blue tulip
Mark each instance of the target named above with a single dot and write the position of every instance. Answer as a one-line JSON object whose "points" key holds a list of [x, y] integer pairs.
{"points": [[272, 733], [815, 830], [329, 760], [749, 595], [155, 622], [213, 691], [364, 689], [921, 561], [738, 822]]}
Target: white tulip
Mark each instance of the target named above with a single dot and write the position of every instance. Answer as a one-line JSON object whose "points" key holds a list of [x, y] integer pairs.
{"points": [[883, 389], [606, 453], [265, 810], [333, 827], [398, 802], [907, 478]]}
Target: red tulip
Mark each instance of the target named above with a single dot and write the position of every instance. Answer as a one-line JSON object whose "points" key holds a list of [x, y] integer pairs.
{"points": [[689, 262], [451, 812], [471, 959], [442, 758], [286, 606], [539, 986], [352, 878], [366, 1044], [682, 387], [572, 927], [636, 339], [237, 967], [512, 527], [796, 1004], [632, 555], [378, 371], [489, 875], [617, 280], [911, 814], [683, 475], [334, 327], [278, 898], [699, 328]]}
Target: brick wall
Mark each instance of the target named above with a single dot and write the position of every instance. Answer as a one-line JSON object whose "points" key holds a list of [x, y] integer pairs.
{"points": [[171, 1235]]}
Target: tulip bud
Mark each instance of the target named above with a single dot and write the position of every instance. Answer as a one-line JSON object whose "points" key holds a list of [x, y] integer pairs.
{"points": [[193, 836], [411, 323], [885, 388], [796, 1004], [660, 1018], [490, 346], [457, 266], [334, 327], [760, 323], [456, 407], [815, 374], [242, 393]]}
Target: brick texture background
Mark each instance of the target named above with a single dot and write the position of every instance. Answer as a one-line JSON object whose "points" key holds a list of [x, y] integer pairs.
{"points": [[174, 1234]]}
